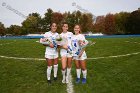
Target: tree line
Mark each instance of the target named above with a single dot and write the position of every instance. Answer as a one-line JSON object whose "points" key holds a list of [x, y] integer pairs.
{"points": [[119, 23]]}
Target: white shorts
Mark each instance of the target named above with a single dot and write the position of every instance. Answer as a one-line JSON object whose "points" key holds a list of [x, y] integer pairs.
{"points": [[83, 57], [51, 56], [64, 53]]}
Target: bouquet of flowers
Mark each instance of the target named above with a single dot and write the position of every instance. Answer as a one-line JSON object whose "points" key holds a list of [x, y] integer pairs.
{"points": [[83, 44], [59, 40], [63, 42], [55, 42], [46, 41]]}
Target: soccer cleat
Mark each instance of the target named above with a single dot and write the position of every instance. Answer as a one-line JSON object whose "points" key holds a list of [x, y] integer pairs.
{"points": [[55, 78], [49, 81], [83, 80], [63, 81], [77, 80]]}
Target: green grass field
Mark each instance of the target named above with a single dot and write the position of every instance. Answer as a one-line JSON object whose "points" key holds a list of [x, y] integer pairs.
{"points": [[119, 74]]}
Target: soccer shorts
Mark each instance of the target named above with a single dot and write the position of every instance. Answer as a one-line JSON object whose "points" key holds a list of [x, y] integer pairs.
{"points": [[51, 56], [64, 53], [83, 57]]}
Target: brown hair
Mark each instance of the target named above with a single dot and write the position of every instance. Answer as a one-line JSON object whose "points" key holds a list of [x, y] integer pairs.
{"points": [[79, 27], [52, 23], [64, 23]]}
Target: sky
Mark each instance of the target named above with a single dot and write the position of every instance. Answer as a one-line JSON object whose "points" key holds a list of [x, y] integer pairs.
{"points": [[14, 12]]}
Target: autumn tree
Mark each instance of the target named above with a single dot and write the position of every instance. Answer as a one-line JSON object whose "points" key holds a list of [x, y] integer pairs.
{"points": [[99, 25], [110, 24], [47, 19], [2, 29], [57, 18], [31, 24], [133, 23], [87, 22], [14, 30], [120, 22]]}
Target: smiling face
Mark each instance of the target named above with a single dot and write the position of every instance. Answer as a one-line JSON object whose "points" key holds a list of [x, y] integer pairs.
{"points": [[53, 27], [77, 29], [65, 27]]}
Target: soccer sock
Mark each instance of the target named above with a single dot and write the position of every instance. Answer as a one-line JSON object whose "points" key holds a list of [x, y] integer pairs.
{"points": [[63, 73], [84, 73], [78, 72], [55, 70], [49, 72], [68, 71]]}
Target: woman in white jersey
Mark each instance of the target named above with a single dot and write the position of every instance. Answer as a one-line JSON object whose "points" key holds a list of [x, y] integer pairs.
{"points": [[51, 53], [66, 56], [79, 54]]}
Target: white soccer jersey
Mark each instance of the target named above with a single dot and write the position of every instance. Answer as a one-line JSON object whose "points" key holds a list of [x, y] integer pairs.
{"points": [[68, 36], [75, 44], [52, 37]]}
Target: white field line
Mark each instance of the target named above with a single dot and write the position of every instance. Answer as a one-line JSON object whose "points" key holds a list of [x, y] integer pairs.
{"points": [[70, 85], [37, 41], [40, 59], [132, 42], [116, 56], [7, 43]]}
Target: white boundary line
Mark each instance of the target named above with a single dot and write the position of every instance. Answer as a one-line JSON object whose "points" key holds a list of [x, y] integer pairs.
{"points": [[41, 59], [132, 42], [7, 43], [116, 56], [70, 85]]}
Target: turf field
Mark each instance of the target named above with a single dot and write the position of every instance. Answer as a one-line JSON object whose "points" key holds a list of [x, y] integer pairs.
{"points": [[114, 67]]}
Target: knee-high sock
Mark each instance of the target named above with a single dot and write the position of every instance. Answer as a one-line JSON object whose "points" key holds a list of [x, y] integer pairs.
{"points": [[68, 71], [64, 73], [49, 72], [84, 73], [55, 70], [78, 72]]}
